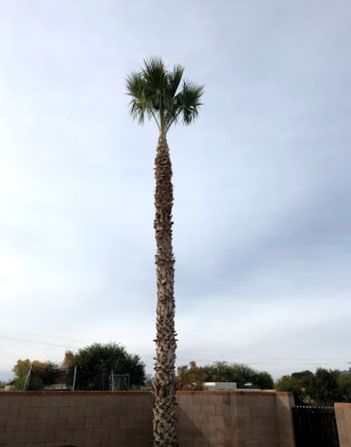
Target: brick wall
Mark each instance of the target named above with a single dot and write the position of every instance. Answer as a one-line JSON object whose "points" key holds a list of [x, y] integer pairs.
{"points": [[124, 419], [343, 421], [80, 419], [284, 403], [235, 419]]}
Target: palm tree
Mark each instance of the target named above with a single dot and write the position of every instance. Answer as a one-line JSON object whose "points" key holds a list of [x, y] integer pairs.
{"points": [[158, 94]]}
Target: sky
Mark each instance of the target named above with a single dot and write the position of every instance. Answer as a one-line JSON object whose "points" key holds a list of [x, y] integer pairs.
{"points": [[262, 212]]}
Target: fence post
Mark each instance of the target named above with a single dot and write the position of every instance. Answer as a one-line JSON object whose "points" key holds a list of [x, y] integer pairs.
{"points": [[27, 379], [74, 378]]}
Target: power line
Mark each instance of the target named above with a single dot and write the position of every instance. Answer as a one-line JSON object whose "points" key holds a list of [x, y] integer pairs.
{"points": [[268, 361], [45, 336], [40, 342], [271, 363]]}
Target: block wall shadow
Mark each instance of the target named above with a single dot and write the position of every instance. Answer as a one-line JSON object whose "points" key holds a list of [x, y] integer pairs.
{"points": [[189, 433]]}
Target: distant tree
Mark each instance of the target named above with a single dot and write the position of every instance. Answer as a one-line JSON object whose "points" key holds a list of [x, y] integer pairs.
{"points": [[69, 359], [293, 385], [2, 383], [305, 378], [95, 363], [148, 382], [324, 389], [243, 375], [264, 380], [21, 369], [191, 378], [344, 384], [42, 374], [48, 373]]}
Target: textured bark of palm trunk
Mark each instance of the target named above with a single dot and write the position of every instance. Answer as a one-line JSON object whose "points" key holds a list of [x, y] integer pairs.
{"points": [[164, 419]]}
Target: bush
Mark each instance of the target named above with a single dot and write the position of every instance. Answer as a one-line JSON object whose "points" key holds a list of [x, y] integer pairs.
{"points": [[322, 388], [95, 363], [193, 377], [239, 373]]}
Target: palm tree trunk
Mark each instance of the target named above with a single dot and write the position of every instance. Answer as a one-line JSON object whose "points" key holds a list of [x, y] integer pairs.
{"points": [[164, 421]]}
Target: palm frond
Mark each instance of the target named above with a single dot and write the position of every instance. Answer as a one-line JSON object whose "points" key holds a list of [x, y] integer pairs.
{"points": [[174, 79], [134, 84], [156, 82], [135, 89], [170, 99], [137, 111], [189, 101]]}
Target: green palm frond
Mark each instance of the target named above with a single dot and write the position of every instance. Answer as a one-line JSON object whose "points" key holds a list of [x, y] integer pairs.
{"points": [[156, 82], [189, 100], [135, 84], [155, 74], [174, 79], [135, 89], [157, 93]]}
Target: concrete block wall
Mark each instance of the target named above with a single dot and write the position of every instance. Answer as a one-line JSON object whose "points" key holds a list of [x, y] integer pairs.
{"points": [[235, 419], [124, 419], [284, 403], [80, 419], [343, 421]]}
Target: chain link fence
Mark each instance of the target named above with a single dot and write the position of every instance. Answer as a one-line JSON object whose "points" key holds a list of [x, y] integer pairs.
{"points": [[74, 379]]}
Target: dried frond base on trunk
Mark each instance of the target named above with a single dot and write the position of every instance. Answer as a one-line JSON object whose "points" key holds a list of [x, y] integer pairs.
{"points": [[164, 419]]}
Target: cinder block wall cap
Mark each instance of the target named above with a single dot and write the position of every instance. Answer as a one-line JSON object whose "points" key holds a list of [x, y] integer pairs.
{"points": [[343, 405]]}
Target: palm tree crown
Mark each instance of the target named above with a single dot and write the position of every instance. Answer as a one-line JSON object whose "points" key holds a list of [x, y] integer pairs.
{"points": [[158, 94]]}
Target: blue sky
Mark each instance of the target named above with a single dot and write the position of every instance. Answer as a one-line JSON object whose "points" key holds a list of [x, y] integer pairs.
{"points": [[262, 184]]}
